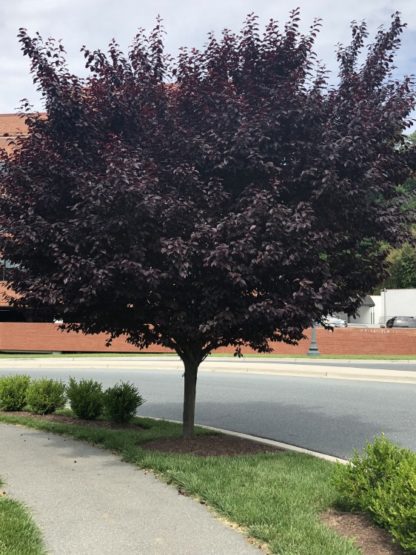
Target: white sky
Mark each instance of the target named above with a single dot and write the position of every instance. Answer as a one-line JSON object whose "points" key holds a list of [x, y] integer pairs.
{"points": [[187, 22]]}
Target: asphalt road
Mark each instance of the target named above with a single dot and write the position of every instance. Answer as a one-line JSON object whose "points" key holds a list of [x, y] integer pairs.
{"points": [[333, 416]]}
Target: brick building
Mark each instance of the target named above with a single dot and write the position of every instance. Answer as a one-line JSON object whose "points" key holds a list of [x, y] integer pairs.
{"points": [[11, 127]]}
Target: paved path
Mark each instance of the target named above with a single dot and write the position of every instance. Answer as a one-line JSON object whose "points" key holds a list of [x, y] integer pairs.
{"points": [[86, 501]]}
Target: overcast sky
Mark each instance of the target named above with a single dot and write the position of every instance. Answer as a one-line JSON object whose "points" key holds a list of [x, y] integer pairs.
{"points": [[187, 22]]}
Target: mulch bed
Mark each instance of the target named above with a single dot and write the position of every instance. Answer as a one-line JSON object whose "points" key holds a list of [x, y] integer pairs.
{"points": [[371, 539], [210, 446], [62, 419]]}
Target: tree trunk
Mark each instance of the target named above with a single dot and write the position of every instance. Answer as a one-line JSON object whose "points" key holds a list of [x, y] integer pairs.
{"points": [[191, 365]]}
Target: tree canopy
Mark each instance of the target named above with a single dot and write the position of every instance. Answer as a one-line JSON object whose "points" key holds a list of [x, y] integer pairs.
{"points": [[226, 197], [402, 269], [402, 260]]}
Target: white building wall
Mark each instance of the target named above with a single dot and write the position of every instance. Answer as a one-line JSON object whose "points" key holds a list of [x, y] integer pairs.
{"points": [[367, 315], [397, 302], [377, 309], [391, 302]]}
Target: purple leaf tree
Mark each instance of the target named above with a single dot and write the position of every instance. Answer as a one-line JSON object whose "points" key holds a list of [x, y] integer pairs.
{"points": [[228, 197]]}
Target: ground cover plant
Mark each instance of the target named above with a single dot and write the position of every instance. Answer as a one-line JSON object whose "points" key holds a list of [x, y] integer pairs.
{"points": [[121, 402], [382, 483], [276, 497], [86, 398], [45, 395], [229, 196], [13, 392], [18, 533]]}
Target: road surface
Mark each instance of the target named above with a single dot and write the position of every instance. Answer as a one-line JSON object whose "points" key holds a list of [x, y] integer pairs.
{"points": [[332, 416]]}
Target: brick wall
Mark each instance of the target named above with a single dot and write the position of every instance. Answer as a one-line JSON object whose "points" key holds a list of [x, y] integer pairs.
{"points": [[345, 341], [26, 336], [354, 341]]}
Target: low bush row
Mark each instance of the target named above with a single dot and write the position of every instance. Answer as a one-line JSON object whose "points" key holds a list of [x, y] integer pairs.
{"points": [[382, 483], [86, 397]]}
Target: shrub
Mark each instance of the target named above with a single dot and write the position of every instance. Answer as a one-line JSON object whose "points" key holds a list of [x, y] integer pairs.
{"points": [[86, 398], [13, 391], [382, 482], [121, 402], [44, 396]]}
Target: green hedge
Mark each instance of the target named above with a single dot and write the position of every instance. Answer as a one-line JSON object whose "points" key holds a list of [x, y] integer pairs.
{"points": [[44, 396], [13, 390], [121, 402], [382, 483], [86, 398]]}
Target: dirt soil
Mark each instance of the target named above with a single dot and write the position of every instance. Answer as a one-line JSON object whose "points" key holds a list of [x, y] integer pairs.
{"points": [[371, 539], [62, 419]]}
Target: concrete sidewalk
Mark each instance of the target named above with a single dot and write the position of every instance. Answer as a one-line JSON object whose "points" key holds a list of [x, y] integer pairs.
{"points": [[87, 501]]}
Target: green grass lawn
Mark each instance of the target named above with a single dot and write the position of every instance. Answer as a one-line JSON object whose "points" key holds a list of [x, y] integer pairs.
{"points": [[277, 498], [18, 533]]}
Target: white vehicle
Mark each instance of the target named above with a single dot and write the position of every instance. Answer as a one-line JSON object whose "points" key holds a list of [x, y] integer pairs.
{"points": [[333, 322]]}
